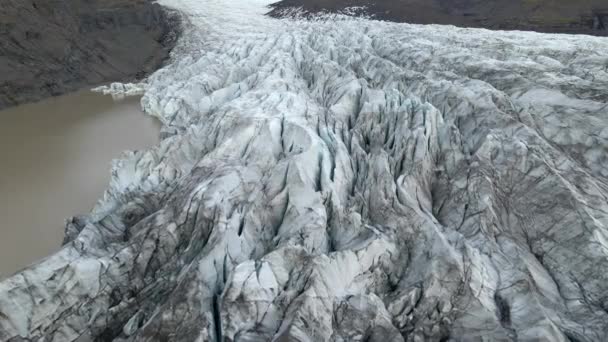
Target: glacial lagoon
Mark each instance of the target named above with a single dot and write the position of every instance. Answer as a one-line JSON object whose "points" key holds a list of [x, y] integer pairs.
{"points": [[56, 158]]}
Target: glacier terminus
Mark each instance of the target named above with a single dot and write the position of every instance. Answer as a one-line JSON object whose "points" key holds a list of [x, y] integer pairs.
{"points": [[344, 179]]}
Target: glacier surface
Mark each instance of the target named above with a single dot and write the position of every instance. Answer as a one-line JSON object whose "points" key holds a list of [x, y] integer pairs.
{"points": [[342, 179]]}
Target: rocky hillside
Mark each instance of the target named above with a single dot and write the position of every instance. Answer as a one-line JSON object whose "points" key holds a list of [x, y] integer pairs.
{"points": [[49, 47], [558, 16]]}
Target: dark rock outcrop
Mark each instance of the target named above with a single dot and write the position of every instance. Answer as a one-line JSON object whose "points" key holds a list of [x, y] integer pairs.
{"points": [[54, 46], [600, 20], [551, 16]]}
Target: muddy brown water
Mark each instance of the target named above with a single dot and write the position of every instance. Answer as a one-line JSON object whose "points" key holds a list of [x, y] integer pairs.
{"points": [[55, 163]]}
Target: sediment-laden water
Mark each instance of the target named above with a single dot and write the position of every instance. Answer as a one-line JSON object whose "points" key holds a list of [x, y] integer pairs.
{"points": [[56, 159]]}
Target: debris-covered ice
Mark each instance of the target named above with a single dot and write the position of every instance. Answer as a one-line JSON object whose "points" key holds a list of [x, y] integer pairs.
{"points": [[342, 179]]}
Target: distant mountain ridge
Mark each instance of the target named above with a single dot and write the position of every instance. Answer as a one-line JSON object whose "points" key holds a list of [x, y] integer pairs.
{"points": [[556, 16]]}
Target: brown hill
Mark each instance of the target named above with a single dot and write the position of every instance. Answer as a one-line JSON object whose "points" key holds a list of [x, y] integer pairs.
{"points": [[559, 16], [48, 47]]}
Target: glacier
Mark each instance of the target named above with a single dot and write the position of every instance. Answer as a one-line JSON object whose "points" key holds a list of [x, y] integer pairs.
{"points": [[343, 179]]}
